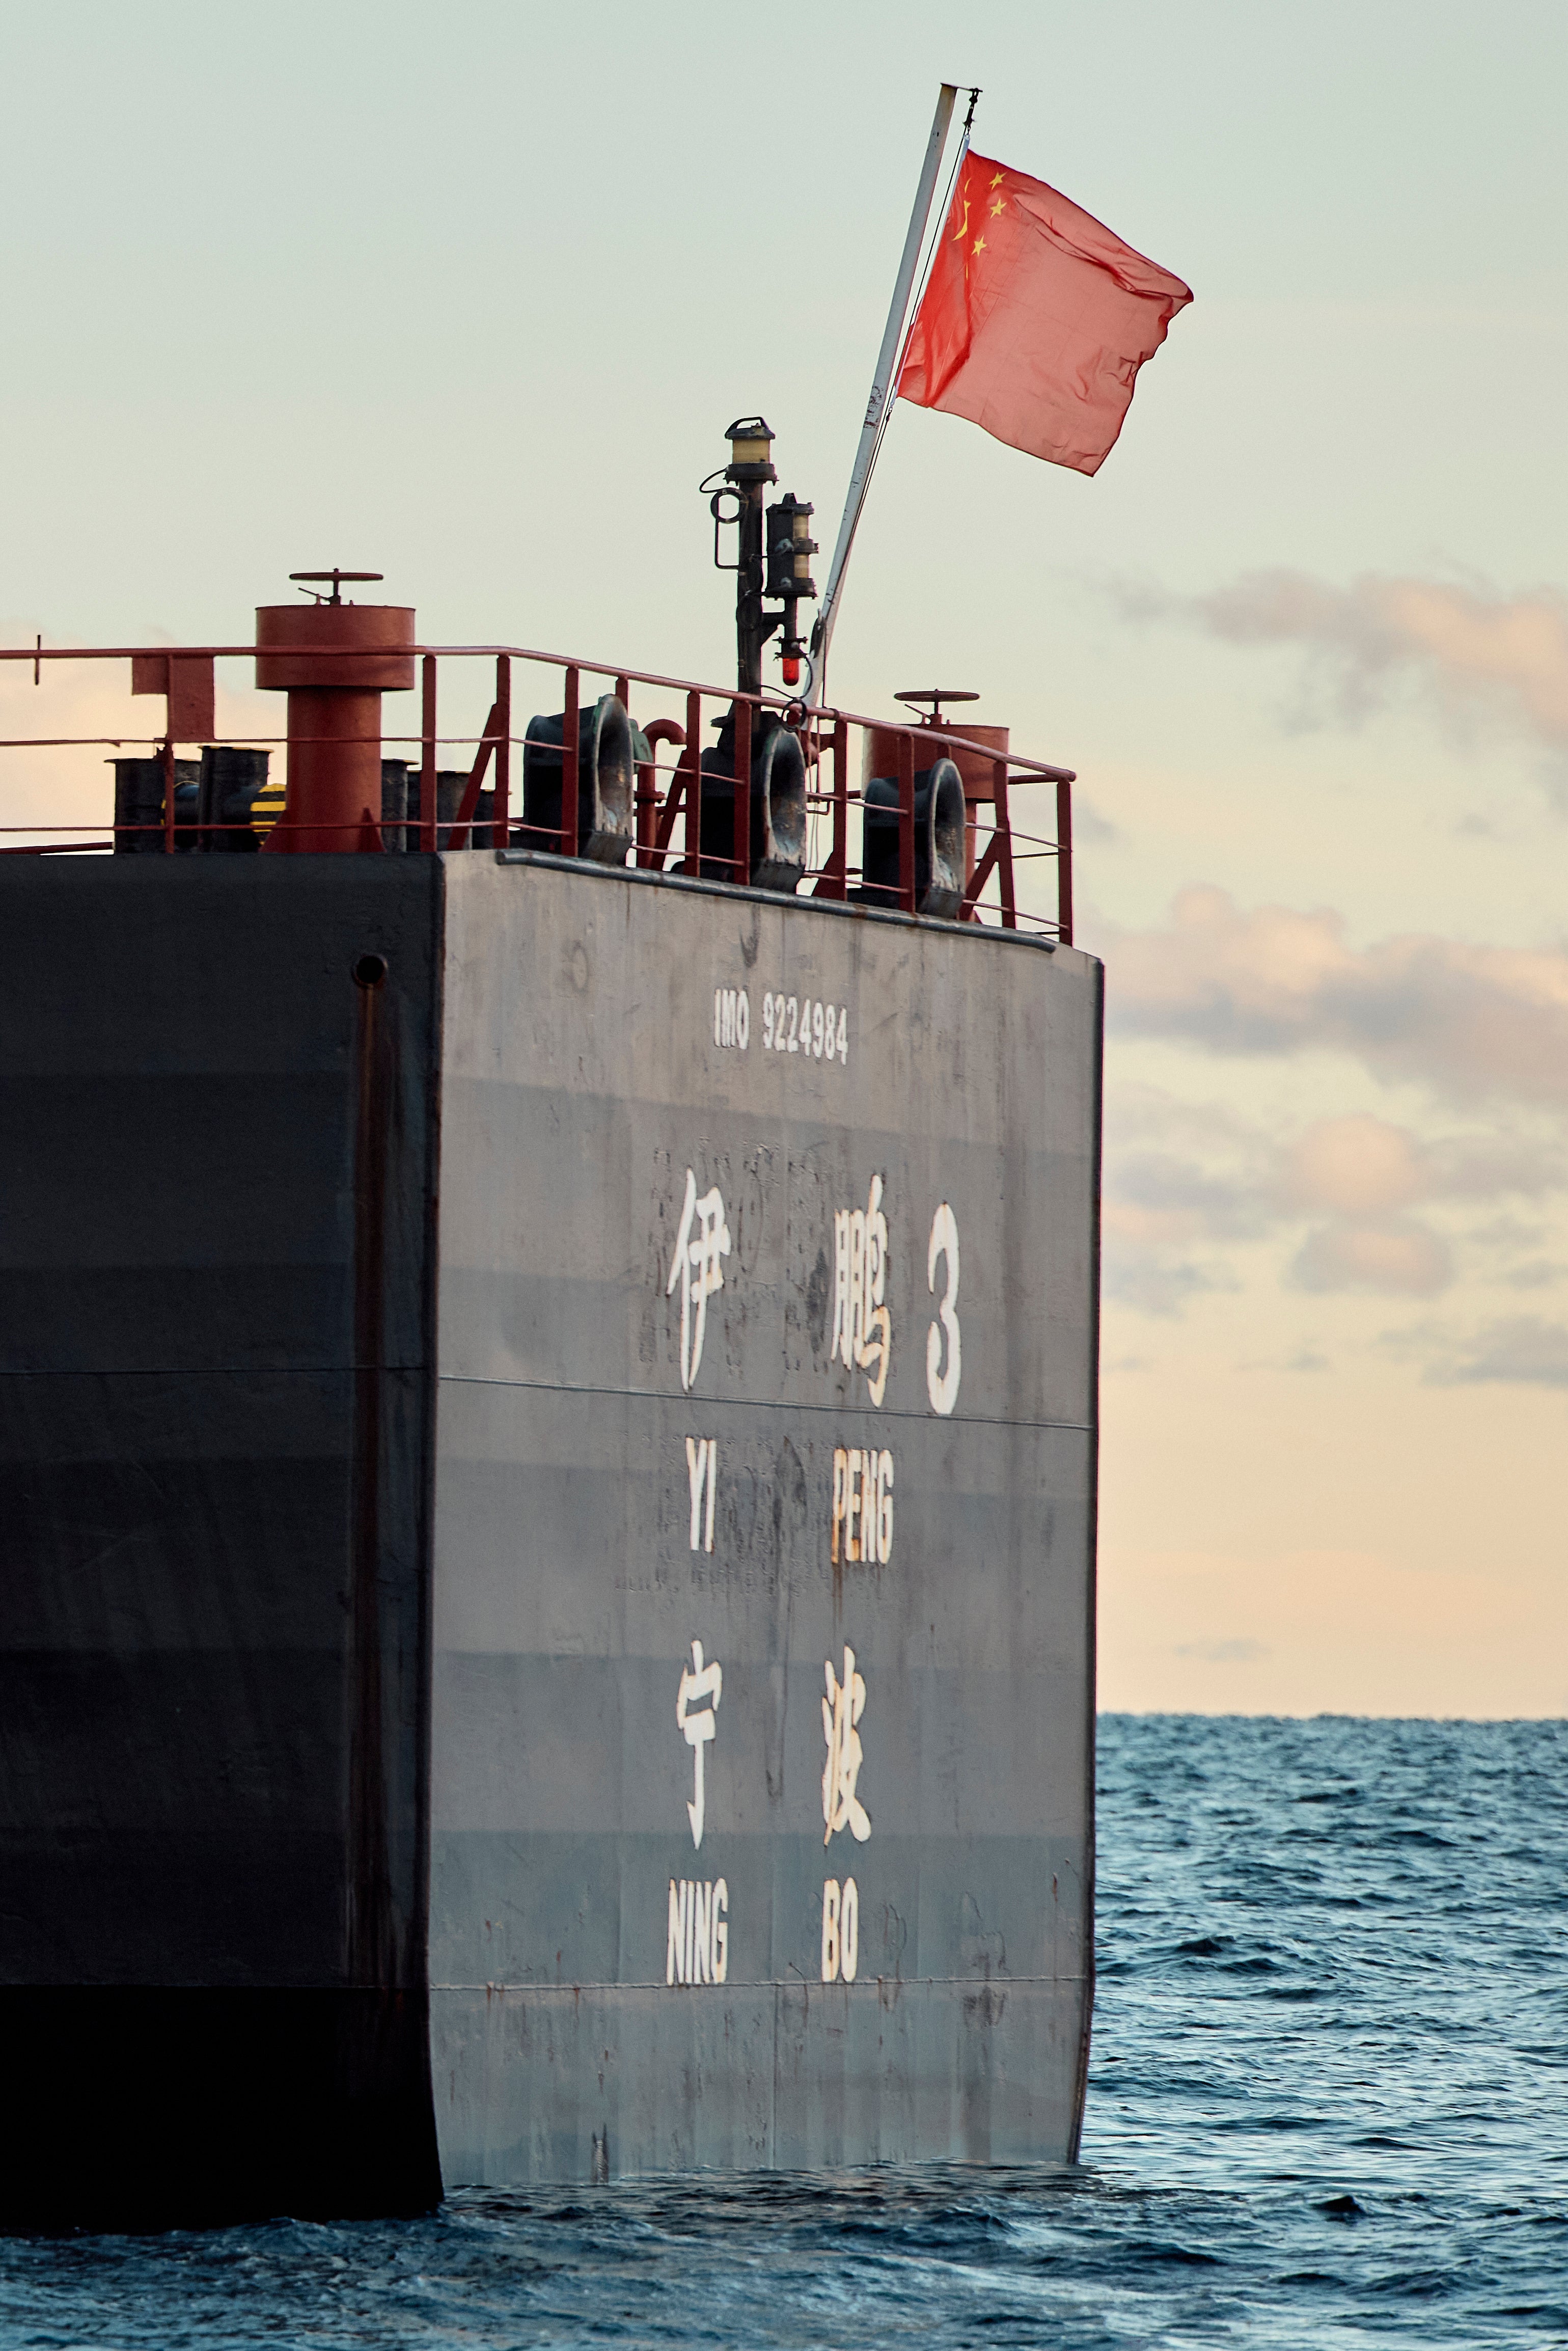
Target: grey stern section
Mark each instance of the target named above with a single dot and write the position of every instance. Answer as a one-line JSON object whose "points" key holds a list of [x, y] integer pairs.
{"points": [[707, 1160]]}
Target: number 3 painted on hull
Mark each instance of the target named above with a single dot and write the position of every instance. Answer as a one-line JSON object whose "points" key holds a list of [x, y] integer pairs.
{"points": [[942, 1385]]}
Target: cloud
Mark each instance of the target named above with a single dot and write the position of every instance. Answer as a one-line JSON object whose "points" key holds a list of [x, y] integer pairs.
{"points": [[1131, 1276], [1160, 1196], [1398, 1258], [1536, 1273], [1522, 1350], [1360, 1165], [1186, 1181], [1224, 1653], [1089, 825], [1469, 648], [1180, 1178], [1357, 1166], [1526, 1351], [1364, 1171], [1470, 1022]]}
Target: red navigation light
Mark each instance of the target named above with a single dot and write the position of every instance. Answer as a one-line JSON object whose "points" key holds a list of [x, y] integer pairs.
{"points": [[791, 669]]}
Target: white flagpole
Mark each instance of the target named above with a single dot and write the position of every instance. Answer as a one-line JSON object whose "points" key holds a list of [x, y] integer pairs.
{"points": [[881, 399]]}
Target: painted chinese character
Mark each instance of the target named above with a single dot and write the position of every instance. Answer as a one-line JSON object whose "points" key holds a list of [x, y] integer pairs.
{"points": [[841, 1710], [696, 1267], [862, 1329], [697, 1682]]}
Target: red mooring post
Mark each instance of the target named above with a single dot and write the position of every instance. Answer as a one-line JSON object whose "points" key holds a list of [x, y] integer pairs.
{"points": [[841, 857], [830, 880], [568, 778], [1004, 840], [742, 842], [906, 821], [427, 785], [654, 833], [694, 827], [501, 828]]}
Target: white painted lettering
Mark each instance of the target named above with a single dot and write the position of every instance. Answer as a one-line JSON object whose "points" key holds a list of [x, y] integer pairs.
{"points": [[840, 1930], [720, 1930], [863, 1327], [697, 1932], [844, 1343], [702, 1478], [731, 1018], [857, 1274], [841, 1710], [884, 1507], [702, 1934], [942, 1378], [697, 1266], [697, 1479], [698, 1729], [676, 1944], [849, 1930], [859, 1525], [790, 1024]]}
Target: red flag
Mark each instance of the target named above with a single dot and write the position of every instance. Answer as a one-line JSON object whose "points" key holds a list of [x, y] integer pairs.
{"points": [[1035, 318]]}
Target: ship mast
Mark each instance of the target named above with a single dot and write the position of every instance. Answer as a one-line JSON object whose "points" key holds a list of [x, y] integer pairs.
{"points": [[882, 389]]}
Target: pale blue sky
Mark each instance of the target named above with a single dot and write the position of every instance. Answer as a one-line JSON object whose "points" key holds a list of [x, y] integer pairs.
{"points": [[469, 295], [441, 282]]}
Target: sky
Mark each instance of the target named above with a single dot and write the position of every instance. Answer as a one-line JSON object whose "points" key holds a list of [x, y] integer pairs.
{"points": [[468, 296]]}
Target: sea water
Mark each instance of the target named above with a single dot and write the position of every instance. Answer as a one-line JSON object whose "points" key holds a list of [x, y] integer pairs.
{"points": [[1328, 2105]]}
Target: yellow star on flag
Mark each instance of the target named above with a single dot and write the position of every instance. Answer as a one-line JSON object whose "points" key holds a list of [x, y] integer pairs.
{"points": [[997, 179], [979, 245], [999, 206]]}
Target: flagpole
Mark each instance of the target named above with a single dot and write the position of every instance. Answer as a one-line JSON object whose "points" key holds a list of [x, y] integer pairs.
{"points": [[881, 388]]}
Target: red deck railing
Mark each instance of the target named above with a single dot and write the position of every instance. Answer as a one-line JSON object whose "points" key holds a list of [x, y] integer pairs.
{"points": [[668, 792]]}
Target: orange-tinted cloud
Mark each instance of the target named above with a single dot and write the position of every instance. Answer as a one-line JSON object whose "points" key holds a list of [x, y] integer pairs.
{"points": [[1185, 1186], [1468, 1021], [1472, 650], [1394, 1256]]}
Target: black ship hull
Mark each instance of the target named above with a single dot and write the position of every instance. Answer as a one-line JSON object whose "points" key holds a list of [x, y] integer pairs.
{"points": [[546, 1626]]}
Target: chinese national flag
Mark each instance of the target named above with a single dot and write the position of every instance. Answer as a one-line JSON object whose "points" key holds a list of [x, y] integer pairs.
{"points": [[1035, 318]]}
